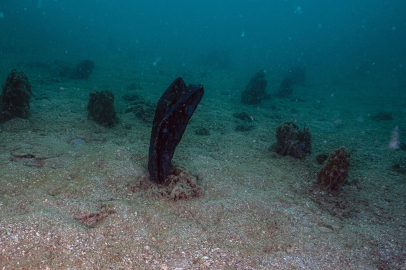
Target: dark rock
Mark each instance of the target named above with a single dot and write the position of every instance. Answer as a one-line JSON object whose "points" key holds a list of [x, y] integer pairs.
{"points": [[255, 90], [383, 116], [173, 112], [101, 108], [321, 158], [16, 96], [285, 88], [83, 70], [292, 141], [400, 167], [334, 174]]}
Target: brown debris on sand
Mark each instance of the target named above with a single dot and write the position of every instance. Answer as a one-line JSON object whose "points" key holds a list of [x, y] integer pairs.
{"points": [[92, 219], [179, 185]]}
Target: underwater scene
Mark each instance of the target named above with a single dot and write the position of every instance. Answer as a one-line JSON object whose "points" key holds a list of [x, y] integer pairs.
{"points": [[211, 134]]}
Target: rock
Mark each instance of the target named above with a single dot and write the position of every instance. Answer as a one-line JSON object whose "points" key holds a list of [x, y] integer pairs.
{"points": [[77, 142], [383, 116], [285, 89], [83, 70], [173, 112], [16, 96], [101, 108], [321, 158], [292, 141], [334, 174], [255, 90]]}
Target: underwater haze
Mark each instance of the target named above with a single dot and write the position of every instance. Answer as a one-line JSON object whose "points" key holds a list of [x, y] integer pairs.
{"points": [[336, 34], [286, 151]]}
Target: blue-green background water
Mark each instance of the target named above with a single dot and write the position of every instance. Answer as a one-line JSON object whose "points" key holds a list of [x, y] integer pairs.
{"points": [[343, 35]]}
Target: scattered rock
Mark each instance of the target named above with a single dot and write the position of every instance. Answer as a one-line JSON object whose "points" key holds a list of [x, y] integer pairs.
{"points": [[285, 88], [101, 108], [321, 158], [77, 142], [83, 70], [334, 174], [292, 141], [255, 90], [16, 96], [383, 116]]}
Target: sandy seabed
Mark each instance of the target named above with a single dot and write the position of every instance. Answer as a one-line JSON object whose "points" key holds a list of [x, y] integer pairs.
{"points": [[66, 207]]}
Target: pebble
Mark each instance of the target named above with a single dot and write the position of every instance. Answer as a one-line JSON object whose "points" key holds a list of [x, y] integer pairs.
{"points": [[77, 142]]}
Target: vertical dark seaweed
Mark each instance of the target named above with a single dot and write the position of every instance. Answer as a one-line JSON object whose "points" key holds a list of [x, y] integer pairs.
{"points": [[173, 112]]}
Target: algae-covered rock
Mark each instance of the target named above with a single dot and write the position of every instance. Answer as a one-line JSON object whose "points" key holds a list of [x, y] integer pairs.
{"points": [[101, 108], [16, 96], [334, 174], [292, 141]]}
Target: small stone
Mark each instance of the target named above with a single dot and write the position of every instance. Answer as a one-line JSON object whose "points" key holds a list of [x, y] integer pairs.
{"points": [[77, 142], [153, 239]]}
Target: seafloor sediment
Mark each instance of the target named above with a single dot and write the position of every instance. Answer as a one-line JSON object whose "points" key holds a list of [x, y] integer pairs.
{"points": [[67, 207]]}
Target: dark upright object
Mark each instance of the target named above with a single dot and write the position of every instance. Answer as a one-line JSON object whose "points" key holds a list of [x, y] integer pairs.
{"points": [[83, 70], [173, 112], [335, 172], [255, 90], [101, 108], [285, 89], [16, 96], [292, 141]]}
